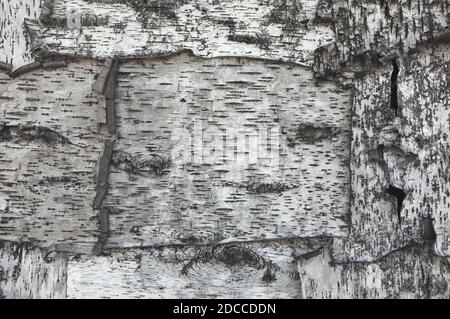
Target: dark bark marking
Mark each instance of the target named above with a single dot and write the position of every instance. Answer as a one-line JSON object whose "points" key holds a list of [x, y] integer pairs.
{"points": [[257, 187], [156, 165], [31, 133], [394, 86], [400, 195], [46, 11], [261, 40], [104, 230], [311, 133], [5, 66], [110, 90], [102, 179], [37, 65], [106, 84], [429, 234], [102, 78], [25, 69], [231, 256]]}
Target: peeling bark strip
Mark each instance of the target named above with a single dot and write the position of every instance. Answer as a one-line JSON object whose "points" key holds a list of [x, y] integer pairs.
{"points": [[110, 91], [103, 174], [37, 65], [106, 84], [25, 69], [102, 78]]}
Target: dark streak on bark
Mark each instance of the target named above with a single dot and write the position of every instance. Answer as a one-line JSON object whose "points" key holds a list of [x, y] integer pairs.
{"points": [[5, 66], [106, 84], [25, 69], [400, 195], [324, 13], [312, 133], [394, 86], [104, 230], [261, 40], [110, 90], [46, 11], [429, 235], [311, 254], [258, 187], [102, 179], [195, 243], [443, 37], [54, 64], [37, 65], [102, 78]]}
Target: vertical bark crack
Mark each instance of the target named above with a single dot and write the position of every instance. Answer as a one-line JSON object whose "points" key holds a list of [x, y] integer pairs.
{"points": [[429, 233], [394, 86], [400, 195]]}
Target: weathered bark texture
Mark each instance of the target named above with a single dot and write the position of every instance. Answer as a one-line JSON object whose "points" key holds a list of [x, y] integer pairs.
{"points": [[242, 148], [28, 272]]}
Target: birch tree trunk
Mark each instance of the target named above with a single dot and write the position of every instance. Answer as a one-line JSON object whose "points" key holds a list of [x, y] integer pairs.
{"points": [[214, 149]]}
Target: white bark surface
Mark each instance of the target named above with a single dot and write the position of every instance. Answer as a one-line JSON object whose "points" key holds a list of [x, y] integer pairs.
{"points": [[265, 164], [243, 148], [253, 28], [49, 154], [260, 270], [15, 49]]}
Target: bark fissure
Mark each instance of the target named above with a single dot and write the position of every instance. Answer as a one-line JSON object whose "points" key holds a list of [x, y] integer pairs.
{"points": [[394, 86], [400, 195], [429, 234]]}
